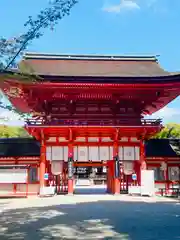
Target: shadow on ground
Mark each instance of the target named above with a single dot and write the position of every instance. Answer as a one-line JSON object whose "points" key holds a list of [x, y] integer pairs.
{"points": [[91, 190], [93, 220]]}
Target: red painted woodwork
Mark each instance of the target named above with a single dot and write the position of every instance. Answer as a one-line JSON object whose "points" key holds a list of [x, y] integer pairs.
{"points": [[70, 186], [116, 188], [47, 97], [42, 165], [110, 176], [93, 106]]}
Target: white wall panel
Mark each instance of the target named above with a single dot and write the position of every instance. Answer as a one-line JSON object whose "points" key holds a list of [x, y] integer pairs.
{"points": [[52, 139], [13, 175], [124, 139], [80, 139], [93, 139], [62, 139], [106, 139]]}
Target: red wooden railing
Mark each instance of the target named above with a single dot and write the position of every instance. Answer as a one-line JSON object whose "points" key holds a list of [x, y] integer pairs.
{"points": [[95, 122]]}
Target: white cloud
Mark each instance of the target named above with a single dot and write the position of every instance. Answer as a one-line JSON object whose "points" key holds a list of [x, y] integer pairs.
{"points": [[123, 5], [168, 114], [129, 5]]}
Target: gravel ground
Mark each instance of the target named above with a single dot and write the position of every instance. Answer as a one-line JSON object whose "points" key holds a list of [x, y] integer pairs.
{"points": [[89, 217]]}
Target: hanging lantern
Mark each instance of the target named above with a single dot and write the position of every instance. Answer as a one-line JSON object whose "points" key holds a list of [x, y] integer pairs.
{"points": [[57, 167], [128, 167]]}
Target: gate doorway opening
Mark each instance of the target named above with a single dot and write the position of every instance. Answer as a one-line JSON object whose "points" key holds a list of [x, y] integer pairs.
{"points": [[90, 178]]}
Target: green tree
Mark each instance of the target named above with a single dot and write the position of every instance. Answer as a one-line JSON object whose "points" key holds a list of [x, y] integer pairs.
{"points": [[171, 130], [10, 49], [11, 132]]}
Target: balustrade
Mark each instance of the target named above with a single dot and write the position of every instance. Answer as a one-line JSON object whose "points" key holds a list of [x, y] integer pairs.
{"points": [[92, 122]]}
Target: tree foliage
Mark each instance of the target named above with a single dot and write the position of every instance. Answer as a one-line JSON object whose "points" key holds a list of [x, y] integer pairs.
{"points": [[10, 132], [50, 16], [12, 48], [171, 131]]}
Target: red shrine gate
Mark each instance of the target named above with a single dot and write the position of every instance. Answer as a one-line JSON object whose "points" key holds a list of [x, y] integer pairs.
{"points": [[87, 105], [91, 146]]}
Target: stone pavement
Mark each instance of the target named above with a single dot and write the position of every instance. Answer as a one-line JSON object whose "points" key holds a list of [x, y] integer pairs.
{"points": [[89, 217]]}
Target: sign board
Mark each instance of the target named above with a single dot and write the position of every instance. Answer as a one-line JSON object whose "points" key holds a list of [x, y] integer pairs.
{"points": [[147, 183], [70, 169], [134, 176], [13, 175], [46, 176]]}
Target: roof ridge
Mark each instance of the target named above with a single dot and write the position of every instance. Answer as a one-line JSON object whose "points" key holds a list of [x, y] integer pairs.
{"points": [[32, 55]]}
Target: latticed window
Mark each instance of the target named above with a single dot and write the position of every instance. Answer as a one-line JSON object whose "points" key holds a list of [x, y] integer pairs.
{"points": [[158, 173], [33, 174], [174, 173]]}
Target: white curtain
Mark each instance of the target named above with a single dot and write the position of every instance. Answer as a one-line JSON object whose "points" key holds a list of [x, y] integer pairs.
{"points": [[48, 153], [82, 154], [104, 153], [137, 153], [93, 153], [129, 153], [57, 153]]}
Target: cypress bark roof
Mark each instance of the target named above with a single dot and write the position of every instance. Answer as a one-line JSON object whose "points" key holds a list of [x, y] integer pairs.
{"points": [[16, 147], [94, 65], [161, 148]]}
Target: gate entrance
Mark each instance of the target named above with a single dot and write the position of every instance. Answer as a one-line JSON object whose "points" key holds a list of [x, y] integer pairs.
{"points": [[90, 177], [88, 166], [95, 173]]}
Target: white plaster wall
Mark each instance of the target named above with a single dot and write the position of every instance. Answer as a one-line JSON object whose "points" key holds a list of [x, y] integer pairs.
{"points": [[6, 188], [32, 188]]}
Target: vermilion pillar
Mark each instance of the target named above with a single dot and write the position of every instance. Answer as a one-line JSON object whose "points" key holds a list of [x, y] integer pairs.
{"points": [[116, 188], [70, 169], [110, 176], [142, 165], [42, 164]]}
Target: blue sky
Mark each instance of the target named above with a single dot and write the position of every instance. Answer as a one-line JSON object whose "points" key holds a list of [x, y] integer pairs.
{"points": [[107, 27]]}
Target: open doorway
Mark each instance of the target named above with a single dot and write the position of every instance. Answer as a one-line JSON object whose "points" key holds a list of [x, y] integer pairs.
{"points": [[90, 178]]}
